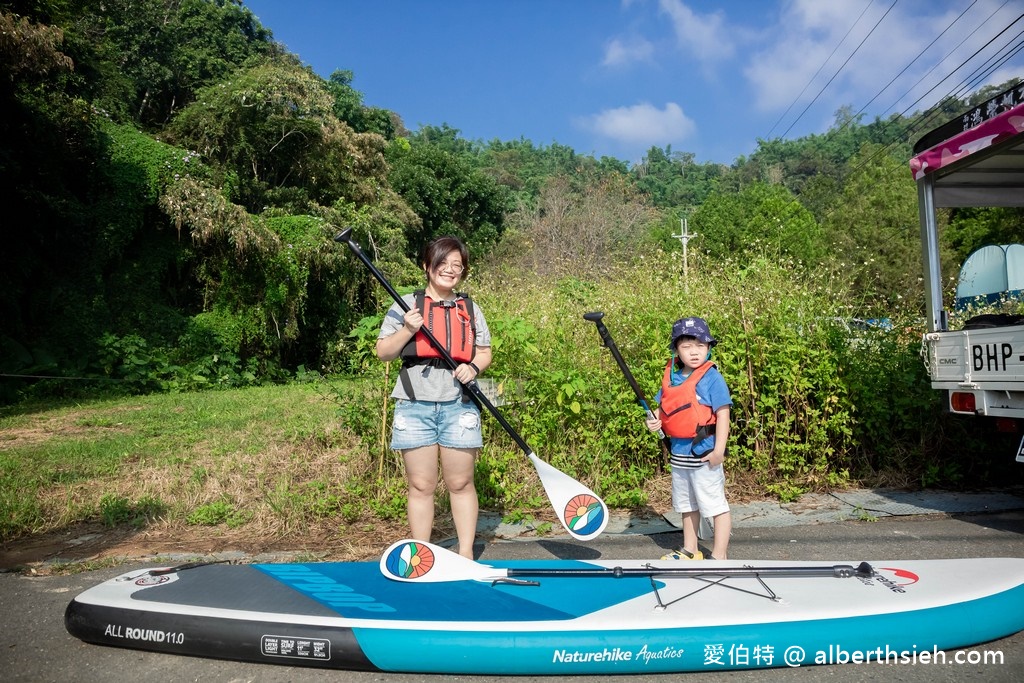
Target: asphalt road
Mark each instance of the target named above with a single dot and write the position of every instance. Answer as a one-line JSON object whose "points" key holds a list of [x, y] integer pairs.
{"points": [[36, 648]]}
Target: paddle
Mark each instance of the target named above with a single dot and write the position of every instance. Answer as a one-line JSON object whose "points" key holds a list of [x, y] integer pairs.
{"points": [[606, 337], [420, 562], [583, 514]]}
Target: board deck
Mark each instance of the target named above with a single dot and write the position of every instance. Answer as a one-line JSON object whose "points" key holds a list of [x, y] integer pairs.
{"points": [[348, 615]]}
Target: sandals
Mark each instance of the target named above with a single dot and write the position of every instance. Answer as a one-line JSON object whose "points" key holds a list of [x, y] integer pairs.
{"points": [[683, 554]]}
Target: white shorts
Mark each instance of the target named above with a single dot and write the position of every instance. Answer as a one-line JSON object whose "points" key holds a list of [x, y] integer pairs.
{"points": [[700, 489]]}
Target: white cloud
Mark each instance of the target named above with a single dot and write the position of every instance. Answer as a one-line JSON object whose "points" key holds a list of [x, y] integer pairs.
{"points": [[642, 124], [706, 36], [806, 35], [618, 53], [781, 66]]}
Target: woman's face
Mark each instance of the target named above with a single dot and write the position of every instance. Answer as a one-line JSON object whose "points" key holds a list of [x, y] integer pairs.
{"points": [[447, 275]]}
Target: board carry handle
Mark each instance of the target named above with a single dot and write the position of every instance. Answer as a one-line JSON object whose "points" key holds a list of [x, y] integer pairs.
{"points": [[414, 561], [581, 511]]}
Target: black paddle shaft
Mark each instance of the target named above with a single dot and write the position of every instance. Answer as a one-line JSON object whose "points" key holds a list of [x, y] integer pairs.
{"points": [[606, 337], [839, 571], [474, 388]]}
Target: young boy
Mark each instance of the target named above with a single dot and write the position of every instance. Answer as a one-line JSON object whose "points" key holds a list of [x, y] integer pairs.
{"points": [[693, 411]]}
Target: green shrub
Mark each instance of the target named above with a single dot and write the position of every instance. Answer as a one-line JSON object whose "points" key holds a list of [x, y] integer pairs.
{"points": [[115, 510], [215, 513], [815, 405]]}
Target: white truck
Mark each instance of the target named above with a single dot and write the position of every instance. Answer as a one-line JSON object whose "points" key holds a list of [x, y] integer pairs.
{"points": [[976, 160]]}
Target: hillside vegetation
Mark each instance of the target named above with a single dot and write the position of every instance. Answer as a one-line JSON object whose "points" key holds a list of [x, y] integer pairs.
{"points": [[185, 176]]}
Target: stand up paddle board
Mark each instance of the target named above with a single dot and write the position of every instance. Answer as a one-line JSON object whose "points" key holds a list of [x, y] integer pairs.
{"points": [[425, 609]]}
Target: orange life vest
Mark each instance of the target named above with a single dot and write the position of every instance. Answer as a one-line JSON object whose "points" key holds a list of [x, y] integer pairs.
{"points": [[682, 415], [453, 325]]}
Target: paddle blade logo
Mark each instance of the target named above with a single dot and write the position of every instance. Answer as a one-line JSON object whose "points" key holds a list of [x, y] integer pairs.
{"points": [[584, 514], [410, 561]]}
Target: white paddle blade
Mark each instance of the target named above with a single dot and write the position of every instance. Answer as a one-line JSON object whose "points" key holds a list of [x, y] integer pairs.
{"points": [[421, 562], [579, 509]]}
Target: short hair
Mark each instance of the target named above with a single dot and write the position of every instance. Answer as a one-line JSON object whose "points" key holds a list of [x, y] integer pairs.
{"points": [[438, 249]]}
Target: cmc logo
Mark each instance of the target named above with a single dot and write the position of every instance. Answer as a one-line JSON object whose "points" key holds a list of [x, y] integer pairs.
{"points": [[150, 580]]}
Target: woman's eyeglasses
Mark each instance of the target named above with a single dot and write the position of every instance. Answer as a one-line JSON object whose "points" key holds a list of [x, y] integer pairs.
{"points": [[455, 268]]}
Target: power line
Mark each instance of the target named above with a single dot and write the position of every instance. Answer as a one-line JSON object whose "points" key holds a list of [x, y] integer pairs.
{"points": [[977, 79], [882, 241], [967, 37], [956, 92], [944, 58], [989, 66], [962, 64], [919, 55], [827, 60], [849, 122], [843, 66]]}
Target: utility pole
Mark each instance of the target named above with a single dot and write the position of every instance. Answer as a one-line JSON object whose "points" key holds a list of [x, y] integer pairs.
{"points": [[684, 236]]}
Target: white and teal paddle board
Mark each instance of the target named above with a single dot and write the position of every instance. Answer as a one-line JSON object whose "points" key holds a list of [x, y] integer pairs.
{"points": [[425, 609]]}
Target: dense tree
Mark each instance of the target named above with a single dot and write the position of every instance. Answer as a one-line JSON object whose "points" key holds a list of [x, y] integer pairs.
{"points": [[972, 228], [759, 219], [162, 51], [674, 179], [875, 234], [49, 141], [216, 281], [570, 231], [271, 284], [272, 132], [795, 162], [184, 175], [30, 49], [349, 107], [524, 167], [450, 196]]}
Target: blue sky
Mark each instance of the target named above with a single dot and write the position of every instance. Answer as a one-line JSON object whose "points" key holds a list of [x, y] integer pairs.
{"points": [[615, 77]]}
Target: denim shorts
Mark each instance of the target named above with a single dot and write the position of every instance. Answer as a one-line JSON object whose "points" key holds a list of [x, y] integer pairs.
{"points": [[455, 424]]}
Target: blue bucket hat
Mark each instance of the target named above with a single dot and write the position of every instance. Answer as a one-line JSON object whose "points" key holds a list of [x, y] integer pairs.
{"points": [[692, 327]]}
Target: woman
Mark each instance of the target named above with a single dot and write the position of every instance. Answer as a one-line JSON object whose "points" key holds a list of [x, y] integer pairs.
{"points": [[434, 417]]}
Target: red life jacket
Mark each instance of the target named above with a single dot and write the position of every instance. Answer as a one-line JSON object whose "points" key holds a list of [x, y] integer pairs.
{"points": [[453, 324], [680, 412]]}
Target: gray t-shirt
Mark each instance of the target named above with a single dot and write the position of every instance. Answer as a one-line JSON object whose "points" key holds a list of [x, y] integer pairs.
{"points": [[426, 382]]}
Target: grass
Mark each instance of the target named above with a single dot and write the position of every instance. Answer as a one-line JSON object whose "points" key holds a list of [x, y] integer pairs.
{"points": [[288, 467], [271, 457]]}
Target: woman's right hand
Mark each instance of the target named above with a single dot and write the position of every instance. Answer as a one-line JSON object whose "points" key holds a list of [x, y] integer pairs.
{"points": [[654, 424], [390, 347], [413, 320]]}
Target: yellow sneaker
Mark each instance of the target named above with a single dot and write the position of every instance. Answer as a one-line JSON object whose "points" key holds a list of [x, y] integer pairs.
{"points": [[683, 554]]}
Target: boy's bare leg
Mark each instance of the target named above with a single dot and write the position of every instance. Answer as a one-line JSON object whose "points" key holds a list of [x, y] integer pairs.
{"points": [[723, 528], [691, 522]]}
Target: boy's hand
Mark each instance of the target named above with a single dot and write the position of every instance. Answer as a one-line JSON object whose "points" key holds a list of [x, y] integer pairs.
{"points": [[654, 424], [714, 458]]}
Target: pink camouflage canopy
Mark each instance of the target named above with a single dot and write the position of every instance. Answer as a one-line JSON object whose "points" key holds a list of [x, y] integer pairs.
{"points": [[993, 131]]}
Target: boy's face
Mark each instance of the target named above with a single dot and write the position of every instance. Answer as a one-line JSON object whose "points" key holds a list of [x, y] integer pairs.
{"points": [[691, 352]]}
